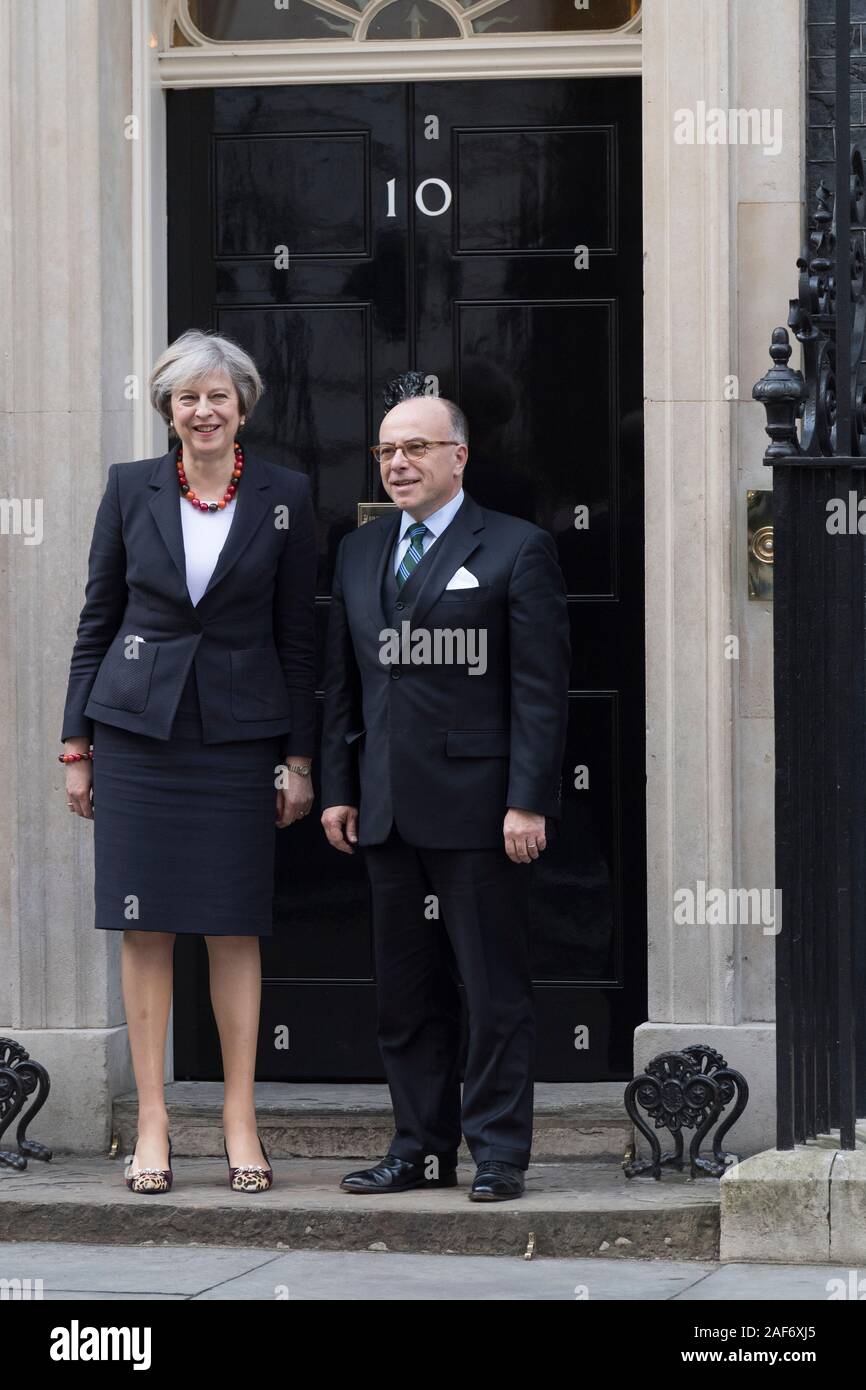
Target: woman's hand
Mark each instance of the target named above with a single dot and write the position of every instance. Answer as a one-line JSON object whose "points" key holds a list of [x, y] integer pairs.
{"points": [[79, 780], [295, 799]]}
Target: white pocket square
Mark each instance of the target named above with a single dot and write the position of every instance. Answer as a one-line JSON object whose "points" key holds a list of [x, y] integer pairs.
{"points": [[463, 579]]}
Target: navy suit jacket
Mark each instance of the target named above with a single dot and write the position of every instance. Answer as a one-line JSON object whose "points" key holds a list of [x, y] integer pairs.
{"points": [[440, 752], [251, 636]]}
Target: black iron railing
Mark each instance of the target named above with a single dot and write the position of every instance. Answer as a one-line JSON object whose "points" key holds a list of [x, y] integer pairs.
{"points": [[819, 624]]}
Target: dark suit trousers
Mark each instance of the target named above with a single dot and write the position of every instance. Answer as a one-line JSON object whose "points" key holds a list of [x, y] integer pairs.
{"points": [[483, 929]]}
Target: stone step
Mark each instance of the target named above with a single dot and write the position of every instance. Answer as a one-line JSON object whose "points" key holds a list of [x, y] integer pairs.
{"points": [[573, 1122], [570, 1209]]}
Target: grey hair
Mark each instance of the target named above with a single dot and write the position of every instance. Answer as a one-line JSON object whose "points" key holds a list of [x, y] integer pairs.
{"points": [[459, 423], [195, 355]]}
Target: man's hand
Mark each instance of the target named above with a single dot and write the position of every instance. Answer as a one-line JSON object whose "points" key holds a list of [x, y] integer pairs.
{"points": [[524, 835], [340, 824]]}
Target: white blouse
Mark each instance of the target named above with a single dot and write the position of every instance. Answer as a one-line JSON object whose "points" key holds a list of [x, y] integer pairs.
{"points": [[204, 535]]}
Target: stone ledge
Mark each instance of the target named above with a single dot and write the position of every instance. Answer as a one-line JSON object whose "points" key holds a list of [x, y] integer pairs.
{"points": [[86, 1067], [579, 1209], [747, 1047], [805, 1205]]}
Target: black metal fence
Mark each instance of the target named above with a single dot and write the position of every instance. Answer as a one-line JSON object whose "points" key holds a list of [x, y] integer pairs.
{"points": [[819, 523]]}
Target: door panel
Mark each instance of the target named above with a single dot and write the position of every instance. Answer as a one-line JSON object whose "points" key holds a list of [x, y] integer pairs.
{"points": [[533, 354], [310, 189], [545, 357], [345, 234]]}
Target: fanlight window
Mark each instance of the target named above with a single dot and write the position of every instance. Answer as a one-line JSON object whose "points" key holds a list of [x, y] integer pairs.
{"points": [[232, 20]]}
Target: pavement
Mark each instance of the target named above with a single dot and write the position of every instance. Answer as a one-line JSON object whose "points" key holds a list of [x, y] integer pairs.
{"points": [[76, 1272]]}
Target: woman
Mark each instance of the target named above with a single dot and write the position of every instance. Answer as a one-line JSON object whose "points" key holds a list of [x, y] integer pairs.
{"points": [[193, 675]]}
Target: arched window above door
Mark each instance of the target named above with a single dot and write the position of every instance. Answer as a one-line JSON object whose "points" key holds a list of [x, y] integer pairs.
{"points": [[230, 21]]}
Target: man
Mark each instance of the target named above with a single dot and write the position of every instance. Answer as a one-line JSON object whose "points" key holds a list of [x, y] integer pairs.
{"points": [[444, 730]]}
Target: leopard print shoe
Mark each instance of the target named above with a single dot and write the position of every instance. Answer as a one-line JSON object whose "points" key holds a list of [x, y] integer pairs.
{"points": [[147, 1179], [250, 1177]]}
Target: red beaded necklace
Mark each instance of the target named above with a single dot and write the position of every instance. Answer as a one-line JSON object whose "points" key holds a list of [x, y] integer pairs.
{"points": [[229, 492]]}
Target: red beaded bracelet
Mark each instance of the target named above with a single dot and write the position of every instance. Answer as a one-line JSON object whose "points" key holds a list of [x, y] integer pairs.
{"points": [[73, 757]]}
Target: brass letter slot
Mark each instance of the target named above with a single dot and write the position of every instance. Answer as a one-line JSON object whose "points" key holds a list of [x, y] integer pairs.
{"points": [[759, 502], [368, 511]]}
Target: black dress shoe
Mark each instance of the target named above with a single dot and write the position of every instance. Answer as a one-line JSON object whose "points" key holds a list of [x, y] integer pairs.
{"points": [[395, 1174], [496, 1181]]}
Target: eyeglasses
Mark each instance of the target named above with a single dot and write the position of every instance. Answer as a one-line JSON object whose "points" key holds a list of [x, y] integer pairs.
{"points": [[414, 449]]}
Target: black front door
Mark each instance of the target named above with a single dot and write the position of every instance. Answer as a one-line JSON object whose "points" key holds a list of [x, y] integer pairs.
{"points": [[489, 235]]}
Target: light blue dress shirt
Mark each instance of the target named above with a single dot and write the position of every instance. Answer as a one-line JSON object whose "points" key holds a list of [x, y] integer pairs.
{"points": [[435, 523]]}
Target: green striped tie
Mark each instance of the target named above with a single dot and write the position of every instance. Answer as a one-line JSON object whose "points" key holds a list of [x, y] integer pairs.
{"points": [[414, 554]]}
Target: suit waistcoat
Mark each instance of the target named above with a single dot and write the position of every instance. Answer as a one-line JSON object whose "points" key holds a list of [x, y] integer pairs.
{"points": [[390, 592]]}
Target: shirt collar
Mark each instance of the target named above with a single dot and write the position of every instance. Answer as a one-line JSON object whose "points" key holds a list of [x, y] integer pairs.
{"points": [[437, 521]]}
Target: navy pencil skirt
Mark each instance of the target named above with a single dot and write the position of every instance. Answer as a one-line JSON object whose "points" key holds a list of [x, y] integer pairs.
{"points": [[184, 831]]}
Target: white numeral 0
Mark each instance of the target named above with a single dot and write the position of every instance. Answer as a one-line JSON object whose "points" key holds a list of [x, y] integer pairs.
{"points": [[419, 197]]}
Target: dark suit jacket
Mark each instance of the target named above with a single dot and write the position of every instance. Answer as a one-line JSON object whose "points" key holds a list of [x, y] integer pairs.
{"points": [[442, 752], [251, 635]]}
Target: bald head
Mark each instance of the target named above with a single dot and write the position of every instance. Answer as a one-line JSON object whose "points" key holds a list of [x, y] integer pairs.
{"points": [[445, 415], [421, 486]]}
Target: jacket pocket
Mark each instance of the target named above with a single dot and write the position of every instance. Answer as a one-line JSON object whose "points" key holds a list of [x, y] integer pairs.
{"points": [[123, 682], [478, 743], [477, 593], [258, 690]]}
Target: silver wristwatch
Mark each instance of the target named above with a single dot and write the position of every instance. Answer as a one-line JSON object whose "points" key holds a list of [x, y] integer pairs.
{"points": [[298, 767]]}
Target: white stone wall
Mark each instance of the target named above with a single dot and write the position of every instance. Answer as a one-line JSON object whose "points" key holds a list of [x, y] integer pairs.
{"points": [[66, 310], [722, 233]]}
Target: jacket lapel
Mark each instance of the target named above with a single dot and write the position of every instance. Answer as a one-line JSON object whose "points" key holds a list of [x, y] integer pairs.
{"points": [[252, 504], [455, 545], [378, 558], [165, 509]]}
